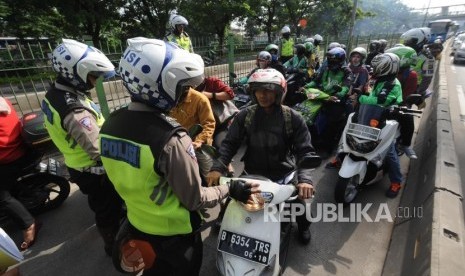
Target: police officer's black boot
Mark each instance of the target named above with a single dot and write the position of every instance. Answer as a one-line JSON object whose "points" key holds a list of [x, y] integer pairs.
{"points": [[108, 235]]}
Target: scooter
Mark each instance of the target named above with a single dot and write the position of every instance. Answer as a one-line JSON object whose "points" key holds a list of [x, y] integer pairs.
{"points": [[249, 244], [40, 186], [365, 142]]}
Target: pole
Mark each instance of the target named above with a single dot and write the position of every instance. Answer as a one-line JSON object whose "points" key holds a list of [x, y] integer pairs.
{"points": [[426, 14], [352, 24]]}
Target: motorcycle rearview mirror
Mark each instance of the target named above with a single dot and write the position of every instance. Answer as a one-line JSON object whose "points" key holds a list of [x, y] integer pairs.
{"points": [[310, 162], [195, 130], [414, 99], [233, 75]]}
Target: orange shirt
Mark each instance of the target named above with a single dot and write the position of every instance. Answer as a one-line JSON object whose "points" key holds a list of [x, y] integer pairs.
{"points": [[196, 109]]}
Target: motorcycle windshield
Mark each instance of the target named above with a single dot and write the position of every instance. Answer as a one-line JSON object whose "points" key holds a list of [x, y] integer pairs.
{"points": [[368, 112]]}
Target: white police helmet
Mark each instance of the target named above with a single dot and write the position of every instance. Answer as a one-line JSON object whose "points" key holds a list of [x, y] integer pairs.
{"points": [[74, 61], [156, 72]]}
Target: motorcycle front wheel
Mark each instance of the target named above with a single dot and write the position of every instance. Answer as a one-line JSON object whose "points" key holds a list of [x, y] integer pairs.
{"points": [[42, 192], [346, 189]]}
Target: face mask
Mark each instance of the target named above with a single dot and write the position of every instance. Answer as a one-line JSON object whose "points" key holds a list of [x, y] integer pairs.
{"points": [[274, 57], [262, 64]]}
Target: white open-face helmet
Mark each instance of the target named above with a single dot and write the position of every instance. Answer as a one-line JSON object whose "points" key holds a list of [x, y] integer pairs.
{"points": [[176, 19], [268, 79], [74, 61], [385, 64], [285, 30], [157, 73]]}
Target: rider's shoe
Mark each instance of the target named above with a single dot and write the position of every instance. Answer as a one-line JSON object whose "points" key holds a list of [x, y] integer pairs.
{"points": [[393, 190], [409, 152], [334, 164]]}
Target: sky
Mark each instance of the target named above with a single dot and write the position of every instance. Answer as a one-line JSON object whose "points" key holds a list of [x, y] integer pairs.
{"points": [[434, 3]]}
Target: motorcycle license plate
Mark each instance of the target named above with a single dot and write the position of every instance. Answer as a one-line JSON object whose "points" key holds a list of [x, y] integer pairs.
{"points": [[364, 132], [245, 247]]}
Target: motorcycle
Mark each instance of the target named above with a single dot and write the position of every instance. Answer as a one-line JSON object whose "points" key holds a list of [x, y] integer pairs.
{"points": [[365, 142], [242, 98], [244, 247], [294, 82], [40, 186]]}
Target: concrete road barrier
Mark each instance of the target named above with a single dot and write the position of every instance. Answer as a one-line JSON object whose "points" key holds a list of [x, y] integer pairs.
{"points": [[430, 239]]}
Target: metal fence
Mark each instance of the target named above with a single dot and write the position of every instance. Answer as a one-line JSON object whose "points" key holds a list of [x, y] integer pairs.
{"points": [[25, 69]]}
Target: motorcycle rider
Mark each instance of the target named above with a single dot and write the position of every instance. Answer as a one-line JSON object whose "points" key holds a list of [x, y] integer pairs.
{"points": [[417, 38], [271, 150], [14, 155], [382, 45], [73, 122], [317, 40], [263, 61], [311, 59], [177, 35], [298, 63], [387, 91], [193, 108], [408, 80], [273, 49], [334, 80], [151, 160], [286, 45], [374, 48], [357, 67]]}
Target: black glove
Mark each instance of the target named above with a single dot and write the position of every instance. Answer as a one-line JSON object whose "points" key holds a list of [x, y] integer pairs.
{"points": [[240, 190]]}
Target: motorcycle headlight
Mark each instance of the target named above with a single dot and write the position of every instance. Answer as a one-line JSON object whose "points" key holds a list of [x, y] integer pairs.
{"points": [[255, 203], [361, 146]]}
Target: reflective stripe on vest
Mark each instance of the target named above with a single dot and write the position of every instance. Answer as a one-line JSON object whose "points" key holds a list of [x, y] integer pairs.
{"points": [[74, 154], [152, 206]]}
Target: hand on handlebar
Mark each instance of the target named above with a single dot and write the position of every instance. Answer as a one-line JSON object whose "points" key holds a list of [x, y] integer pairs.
{"points": [[306, 190]]}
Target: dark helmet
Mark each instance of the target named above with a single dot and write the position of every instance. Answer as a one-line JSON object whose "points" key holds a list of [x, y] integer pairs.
{"points": [[336, 58], [299, 49], [374, 46], [383, 44], [385, 64], [333, 45]]}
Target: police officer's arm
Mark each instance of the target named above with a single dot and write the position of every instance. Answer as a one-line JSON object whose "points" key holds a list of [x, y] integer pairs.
{"points": [[83, 129], [178, 164]]}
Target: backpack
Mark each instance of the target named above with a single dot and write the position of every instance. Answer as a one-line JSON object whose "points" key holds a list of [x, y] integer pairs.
{"points": [[286, 113]]}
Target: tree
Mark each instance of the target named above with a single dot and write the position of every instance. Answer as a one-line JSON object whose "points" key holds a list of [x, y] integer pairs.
{"points": [[89, 17], [297, 10], [215, 16], [147, 17], [390, 16], [264, 14], [32, 19]]}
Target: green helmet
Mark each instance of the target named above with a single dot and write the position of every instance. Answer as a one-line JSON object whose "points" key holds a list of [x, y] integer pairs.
{"points": [[271, 47], [309, 47], [407, 55]]}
